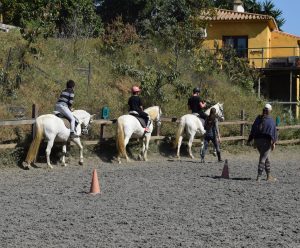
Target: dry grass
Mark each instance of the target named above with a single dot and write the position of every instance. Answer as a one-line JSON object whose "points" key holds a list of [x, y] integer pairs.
{"points": [[59, 63]]}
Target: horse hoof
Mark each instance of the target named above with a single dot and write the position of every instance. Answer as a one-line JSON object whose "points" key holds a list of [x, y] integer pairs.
{"points": [[50, 166], [80, 163], [64, 165], [26, 166]]}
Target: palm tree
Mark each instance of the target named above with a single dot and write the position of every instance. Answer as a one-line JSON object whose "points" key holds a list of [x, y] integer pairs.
{"points": [[252, 6], [268, 8]]}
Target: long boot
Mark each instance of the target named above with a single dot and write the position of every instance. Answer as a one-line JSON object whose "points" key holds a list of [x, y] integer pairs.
{"points": [[219, 157], [260, 170]]}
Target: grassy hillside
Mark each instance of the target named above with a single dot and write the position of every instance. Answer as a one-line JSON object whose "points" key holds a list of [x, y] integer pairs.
{"points": [[52, 62]]}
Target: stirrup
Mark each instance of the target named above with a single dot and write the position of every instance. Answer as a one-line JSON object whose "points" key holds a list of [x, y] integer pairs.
{"points": [[73, 136]]}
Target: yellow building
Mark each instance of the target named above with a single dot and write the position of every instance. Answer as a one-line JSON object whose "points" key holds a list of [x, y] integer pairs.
{"points": [[257, 38]]}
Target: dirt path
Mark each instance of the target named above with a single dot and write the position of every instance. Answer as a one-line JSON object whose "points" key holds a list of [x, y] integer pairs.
{"points": [[162, 203]]}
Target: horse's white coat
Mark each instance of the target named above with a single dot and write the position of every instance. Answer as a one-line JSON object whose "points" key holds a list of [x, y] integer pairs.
{"points": [[53, 130], [130, 127], [191, 124]]}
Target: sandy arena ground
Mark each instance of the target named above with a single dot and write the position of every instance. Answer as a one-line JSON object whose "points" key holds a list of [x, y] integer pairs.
{"points": [[161, 203]]}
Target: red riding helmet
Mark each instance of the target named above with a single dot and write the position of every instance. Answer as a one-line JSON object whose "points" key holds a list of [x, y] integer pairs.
{"points": [[135, 89]]}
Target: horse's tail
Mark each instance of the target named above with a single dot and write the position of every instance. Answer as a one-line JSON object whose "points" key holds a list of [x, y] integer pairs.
{"points": [[120, 140], [35, 144], [179, 132]]}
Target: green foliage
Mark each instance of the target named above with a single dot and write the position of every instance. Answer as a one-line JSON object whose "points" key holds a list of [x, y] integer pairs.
{"points": [[117, 35], [175, 23], [130, 10], [237, 70], [154, 82], [78, 19]]}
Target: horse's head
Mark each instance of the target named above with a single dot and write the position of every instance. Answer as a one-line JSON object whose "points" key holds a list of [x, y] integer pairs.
{"points": [[85, 119], [154, 113], [219, 111]]}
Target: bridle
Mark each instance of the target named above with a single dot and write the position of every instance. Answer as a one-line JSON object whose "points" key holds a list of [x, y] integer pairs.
{"points": [[158, 120], [85, 128]]}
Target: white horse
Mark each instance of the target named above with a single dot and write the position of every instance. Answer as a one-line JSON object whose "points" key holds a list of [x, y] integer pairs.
{"points": [[129, 126], [53, 129], [192, 124]]}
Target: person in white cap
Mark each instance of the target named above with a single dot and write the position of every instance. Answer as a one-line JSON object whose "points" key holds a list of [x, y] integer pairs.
{"points": [[265, 135]]}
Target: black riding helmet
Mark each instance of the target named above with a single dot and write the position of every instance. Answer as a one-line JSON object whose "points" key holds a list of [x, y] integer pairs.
{"points": [[70, 84], [196, 90]]}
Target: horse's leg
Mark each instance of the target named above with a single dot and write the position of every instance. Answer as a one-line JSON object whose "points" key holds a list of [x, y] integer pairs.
{"points": [[48, 152], [202, 146], [190, 144], [78, 143], [64, 150], [146, 146], [141, 155], [126, 140], [178, 146]]}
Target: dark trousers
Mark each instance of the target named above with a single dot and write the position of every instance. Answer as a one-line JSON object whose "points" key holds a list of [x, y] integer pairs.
{"points": [[145, 116], [263, 146], [215, 143]]}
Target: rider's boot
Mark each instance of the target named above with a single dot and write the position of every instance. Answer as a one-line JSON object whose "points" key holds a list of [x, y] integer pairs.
{"points": [[73, 135], [202, 159], [260, 170]]}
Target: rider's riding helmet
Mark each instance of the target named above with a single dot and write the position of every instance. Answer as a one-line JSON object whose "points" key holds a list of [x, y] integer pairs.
{"points": [[196, 90], [70, 84], [135, 89]]}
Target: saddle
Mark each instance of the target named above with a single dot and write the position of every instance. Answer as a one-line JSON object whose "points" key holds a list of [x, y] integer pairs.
{"points": [[66, 120], [140, 119], [201, 119]]}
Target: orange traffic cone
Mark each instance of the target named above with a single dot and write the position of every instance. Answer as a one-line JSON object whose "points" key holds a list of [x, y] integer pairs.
{"points": [[95, 188], [225, 172]]}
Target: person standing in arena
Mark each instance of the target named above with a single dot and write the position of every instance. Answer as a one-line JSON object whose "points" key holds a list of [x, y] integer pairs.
{"points": [[212, 134], [265, 135]]}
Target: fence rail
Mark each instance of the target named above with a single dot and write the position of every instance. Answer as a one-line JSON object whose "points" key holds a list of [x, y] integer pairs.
{"points": [[102, 123]]}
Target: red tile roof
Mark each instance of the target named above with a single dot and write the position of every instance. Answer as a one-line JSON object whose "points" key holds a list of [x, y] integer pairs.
{"points": [[230, 15]]}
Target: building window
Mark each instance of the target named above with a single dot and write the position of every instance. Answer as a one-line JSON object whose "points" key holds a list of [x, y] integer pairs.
{"points": [[238, 43]]}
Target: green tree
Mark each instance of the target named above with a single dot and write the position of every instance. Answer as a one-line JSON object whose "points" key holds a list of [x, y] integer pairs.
{"points": [[176, 24], [268, 8]]}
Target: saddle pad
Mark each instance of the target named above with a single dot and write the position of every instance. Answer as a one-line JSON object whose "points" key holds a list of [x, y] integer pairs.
{"points": [[65, 120], [140, 119]]}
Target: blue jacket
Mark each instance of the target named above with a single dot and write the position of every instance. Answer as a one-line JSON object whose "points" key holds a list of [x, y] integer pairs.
{"points": [[263, 127]]}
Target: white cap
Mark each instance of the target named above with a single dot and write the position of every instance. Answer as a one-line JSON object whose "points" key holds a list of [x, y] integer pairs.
{"points": [[268, 107]]}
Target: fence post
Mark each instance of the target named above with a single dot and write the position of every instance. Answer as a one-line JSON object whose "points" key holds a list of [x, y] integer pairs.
{"points": [[34, 115], [242, 129], [157, 130], [101, 132]]}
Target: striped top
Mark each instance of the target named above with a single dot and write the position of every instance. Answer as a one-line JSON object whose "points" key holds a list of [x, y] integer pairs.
{"points": [[66, 97]]}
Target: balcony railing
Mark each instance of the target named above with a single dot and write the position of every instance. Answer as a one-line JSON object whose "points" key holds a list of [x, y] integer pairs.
{"points": [[270, 57]]}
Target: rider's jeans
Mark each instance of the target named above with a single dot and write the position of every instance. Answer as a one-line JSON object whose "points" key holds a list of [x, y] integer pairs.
{"points": [[67, 113]]}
